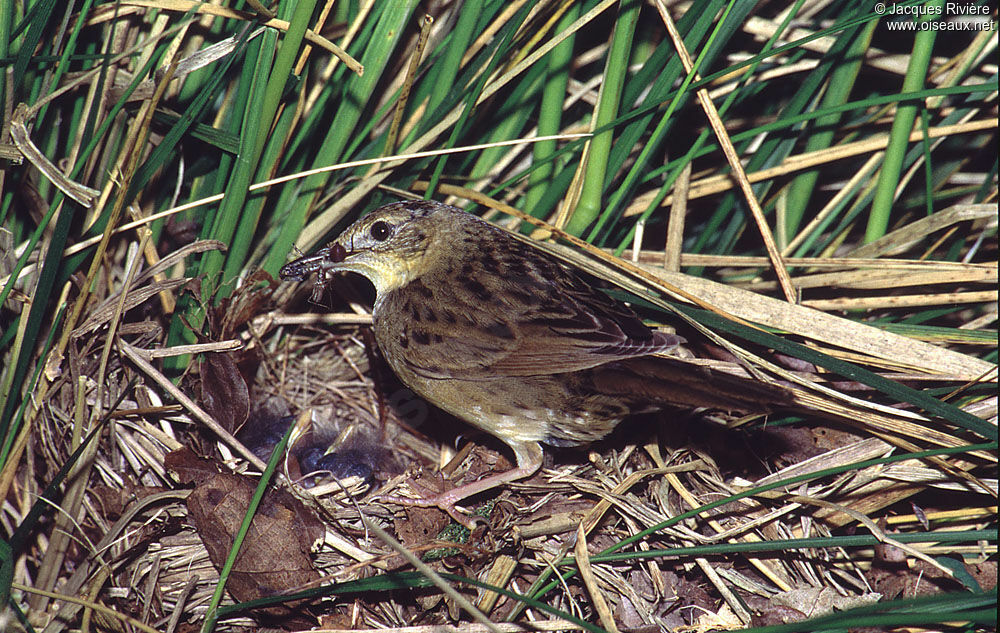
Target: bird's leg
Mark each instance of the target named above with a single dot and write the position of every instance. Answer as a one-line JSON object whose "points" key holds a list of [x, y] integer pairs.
{"points": [[529, 460]]}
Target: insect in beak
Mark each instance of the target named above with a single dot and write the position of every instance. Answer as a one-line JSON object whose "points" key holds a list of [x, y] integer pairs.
{"points": [[301, 268]]}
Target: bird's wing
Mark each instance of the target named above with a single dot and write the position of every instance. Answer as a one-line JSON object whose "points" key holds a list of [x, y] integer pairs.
{"points": [[533, 318], [575, 326]]}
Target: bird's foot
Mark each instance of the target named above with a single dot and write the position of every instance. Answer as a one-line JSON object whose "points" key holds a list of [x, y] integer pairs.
{"points": [[529, 460], [445, 502]]}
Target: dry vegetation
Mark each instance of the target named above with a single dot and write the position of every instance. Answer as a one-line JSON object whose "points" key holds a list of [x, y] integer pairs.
{"points": [[150, 362]]}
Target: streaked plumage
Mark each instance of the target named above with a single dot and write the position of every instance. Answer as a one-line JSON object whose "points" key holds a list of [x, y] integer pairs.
{"points": [[499, 335]]}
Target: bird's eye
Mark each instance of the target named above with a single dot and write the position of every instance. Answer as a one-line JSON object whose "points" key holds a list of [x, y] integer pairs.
{"points": [[380, 231]]}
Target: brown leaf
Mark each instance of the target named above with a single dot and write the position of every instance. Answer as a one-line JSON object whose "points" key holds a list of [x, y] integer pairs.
{"points": [[985, 574], [892, 575], [274, 558], [187, 467], [421, 526], [224, 392], [247, 302]]}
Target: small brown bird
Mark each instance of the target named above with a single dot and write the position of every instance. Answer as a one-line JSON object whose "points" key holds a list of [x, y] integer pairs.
{"points": [[496, 333]]}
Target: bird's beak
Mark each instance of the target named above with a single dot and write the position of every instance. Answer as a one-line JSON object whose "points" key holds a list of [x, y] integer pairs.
{"points": [[322, 260]]}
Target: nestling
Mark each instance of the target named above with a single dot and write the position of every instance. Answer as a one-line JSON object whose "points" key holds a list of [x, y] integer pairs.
{"points": [[498, 334]]}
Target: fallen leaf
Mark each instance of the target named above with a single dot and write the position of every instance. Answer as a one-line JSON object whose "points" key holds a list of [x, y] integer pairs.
{"points": [[224, 392], [275, 557]]}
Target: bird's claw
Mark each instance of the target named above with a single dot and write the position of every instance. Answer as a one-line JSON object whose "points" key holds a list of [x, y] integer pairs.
{"points": [[443, 502]]}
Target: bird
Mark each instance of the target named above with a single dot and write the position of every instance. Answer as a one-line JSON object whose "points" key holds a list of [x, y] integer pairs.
{"points": [[501, 335]]}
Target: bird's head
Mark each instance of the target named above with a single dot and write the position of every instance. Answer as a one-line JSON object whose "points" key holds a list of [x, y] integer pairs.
{"points": [[391, 246]]}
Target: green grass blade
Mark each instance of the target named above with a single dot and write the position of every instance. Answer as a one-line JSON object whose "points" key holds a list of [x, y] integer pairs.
{"points": [[902, 125]]}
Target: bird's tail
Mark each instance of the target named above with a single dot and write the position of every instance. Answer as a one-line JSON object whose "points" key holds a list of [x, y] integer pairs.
{"points": [[692, 384]]}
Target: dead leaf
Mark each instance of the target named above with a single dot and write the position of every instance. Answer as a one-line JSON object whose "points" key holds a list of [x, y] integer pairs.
{"points": [[816, 601], [246, 303], [275, 557], [187, 468], [224, 392]]}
